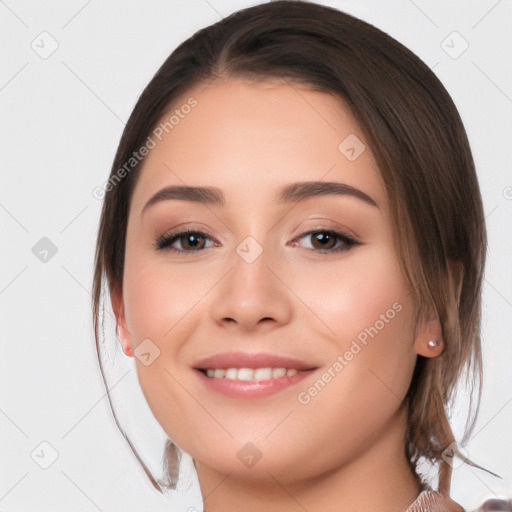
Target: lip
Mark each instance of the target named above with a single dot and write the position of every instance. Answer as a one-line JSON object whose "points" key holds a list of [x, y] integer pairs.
{"points": [[251, 360], [251, 389]]}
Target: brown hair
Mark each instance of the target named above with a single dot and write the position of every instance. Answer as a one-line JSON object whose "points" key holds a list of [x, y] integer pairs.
{"points": [[421, 149]]}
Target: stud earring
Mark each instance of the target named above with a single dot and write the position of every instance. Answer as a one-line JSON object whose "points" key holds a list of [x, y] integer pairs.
{"points": [[434, 344]]}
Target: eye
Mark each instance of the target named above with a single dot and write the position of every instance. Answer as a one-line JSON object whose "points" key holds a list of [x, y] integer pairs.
{"points": [[189, 240], [328, 241], [322, 241]]}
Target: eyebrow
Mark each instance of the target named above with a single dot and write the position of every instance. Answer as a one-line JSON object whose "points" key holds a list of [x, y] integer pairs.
{"points": [[294, 192]]}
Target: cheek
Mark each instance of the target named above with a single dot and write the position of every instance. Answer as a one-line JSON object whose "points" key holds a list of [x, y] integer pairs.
{"points": [[159, 299], [367, 291], [164, 305], [367, 311], [369, 370]]}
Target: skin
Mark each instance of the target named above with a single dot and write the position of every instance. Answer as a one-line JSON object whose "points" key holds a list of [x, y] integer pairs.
{"points": [[344, 450]]}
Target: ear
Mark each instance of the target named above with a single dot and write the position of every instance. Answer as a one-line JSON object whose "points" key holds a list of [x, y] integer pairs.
{"points": [[121, 328], [429, 336], [429, 340]]}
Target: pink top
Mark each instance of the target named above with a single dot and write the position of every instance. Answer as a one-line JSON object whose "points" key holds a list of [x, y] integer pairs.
{"points": [[432, 501]]}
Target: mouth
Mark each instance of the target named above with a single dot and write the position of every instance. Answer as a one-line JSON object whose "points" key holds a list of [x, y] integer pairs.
{"points": [[247, 375]]}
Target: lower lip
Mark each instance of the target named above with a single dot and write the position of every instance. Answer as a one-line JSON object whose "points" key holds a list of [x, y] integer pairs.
{"points": [[251, 388]]}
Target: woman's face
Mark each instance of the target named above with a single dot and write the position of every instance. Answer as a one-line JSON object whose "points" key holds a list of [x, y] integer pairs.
{"points": [[267, 279]]}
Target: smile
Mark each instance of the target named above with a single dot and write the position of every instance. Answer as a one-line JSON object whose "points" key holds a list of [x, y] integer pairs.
{"points": [[250, 375]]}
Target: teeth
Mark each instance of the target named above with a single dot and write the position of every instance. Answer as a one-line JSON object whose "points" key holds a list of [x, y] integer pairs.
{"points": [[231, 373], [278, 372], [249, 373], [264, 373]]}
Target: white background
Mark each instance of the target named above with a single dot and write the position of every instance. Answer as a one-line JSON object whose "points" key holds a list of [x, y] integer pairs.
{"points": [[61, 119]]}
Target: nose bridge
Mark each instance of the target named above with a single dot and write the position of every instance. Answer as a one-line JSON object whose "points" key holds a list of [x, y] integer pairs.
{"points": [[250, 275], [250, 292]]}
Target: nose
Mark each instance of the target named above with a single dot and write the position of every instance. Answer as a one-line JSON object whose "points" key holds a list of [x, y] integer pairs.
{"points": [[252, 295]]}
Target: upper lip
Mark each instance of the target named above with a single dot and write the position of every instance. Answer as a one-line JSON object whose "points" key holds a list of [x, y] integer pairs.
{"points": [[251, 360]]}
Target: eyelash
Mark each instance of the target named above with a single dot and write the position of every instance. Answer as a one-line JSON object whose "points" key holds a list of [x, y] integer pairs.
{"points": [[165, 241]]}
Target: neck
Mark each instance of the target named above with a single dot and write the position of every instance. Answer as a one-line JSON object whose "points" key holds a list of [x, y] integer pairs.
{"points": [[377, 478]]}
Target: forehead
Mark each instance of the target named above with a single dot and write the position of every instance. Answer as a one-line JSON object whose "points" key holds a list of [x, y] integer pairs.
{"points": [[250, 138]]}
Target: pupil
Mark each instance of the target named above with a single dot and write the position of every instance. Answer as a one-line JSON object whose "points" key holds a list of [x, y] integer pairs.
{"points": [[192, 240], [323, 238]]}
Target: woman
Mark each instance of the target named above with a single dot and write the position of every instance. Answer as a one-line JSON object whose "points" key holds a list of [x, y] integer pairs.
{"points": [[293, 244]]}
